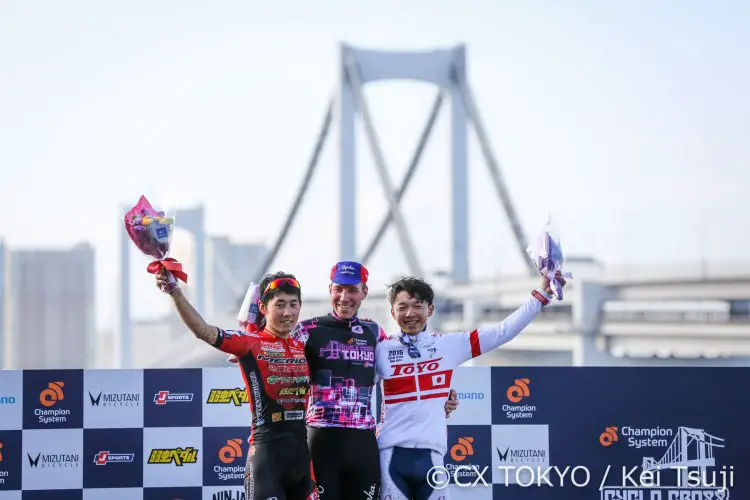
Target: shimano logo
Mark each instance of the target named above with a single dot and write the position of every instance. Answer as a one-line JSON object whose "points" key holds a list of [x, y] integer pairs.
{"points": [[470, 395]]}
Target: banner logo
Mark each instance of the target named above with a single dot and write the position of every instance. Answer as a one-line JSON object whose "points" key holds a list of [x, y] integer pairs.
{"points": [[519, 390], [178, 456], [105, 457], [164, 397], [462, 449], [235, 396], [231, 451], [52, 394], [609, 436]]}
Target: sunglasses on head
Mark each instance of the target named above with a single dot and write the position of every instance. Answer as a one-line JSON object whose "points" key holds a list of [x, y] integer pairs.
{"points": [[278, 282]]}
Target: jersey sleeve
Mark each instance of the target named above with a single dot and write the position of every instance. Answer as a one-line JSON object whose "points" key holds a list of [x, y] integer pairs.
{"points": [[381, 334], [233, 342], [300, 333], [469, 345]]}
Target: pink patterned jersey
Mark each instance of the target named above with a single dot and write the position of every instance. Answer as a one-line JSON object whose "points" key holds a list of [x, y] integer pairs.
{"points": [[341, 357]]}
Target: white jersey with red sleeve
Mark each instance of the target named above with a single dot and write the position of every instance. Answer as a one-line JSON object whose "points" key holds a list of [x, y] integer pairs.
{"points": [[415, 388]]}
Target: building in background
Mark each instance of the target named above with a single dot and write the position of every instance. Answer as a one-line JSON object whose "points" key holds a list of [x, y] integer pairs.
{"points": [[231, 268], [50, 309]]}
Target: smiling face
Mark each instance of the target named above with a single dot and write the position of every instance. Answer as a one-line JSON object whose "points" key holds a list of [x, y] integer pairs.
{"points": [[346, 299], [282, 313], [411, 313]]}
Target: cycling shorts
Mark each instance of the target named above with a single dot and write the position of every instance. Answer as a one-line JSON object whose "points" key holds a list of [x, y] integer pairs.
{"points": [[347, 464], [280, 469], [404, 474]]}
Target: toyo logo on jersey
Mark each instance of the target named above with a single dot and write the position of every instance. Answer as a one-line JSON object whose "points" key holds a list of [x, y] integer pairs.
{"points": [[164, 397], [412, 368]]}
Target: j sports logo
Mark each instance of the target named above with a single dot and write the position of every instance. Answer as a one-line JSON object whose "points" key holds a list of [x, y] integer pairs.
{"points": [[462, 449], [231, 451], [178, 456], [52, 394], [105, 457], [164, 397], [609, 436], [234, 396], [519, 390]]}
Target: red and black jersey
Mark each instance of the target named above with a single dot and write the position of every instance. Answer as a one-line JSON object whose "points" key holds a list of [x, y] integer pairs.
{"points": [[277, 379]]}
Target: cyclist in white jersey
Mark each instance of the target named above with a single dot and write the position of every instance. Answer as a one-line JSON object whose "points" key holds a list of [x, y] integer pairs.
{"points": [[416, 367]]}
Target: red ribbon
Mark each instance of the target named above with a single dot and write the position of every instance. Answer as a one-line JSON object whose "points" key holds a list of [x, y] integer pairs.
{"points": [[171, 265]]}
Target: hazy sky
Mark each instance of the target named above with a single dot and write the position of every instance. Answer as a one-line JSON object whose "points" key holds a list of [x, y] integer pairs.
{"points": [[627, 120]]}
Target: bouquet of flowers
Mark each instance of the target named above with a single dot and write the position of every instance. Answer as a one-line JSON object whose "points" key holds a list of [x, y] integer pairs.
{"points": [[151, 231], [548, 258]]}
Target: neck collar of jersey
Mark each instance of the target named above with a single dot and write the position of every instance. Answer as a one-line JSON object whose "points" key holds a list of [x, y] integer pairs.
{"points": [[265, 332], [418, 337], [352, 321]]}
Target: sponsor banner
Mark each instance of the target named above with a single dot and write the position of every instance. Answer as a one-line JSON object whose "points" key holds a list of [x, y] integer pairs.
{"points": [[173, 456], [469, 453], [225, 493], [52, 459], [113, 494], [224, 398], [113, 398], [517, 450], [11, 400], [53, 495], [52, 399], [112, 458], [517, 399], [185, 493], [225, 453], [172, 398], [474, 391], [10, 460]]}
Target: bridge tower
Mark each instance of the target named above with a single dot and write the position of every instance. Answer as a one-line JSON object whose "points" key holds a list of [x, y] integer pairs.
{"points": [[446, 69]]}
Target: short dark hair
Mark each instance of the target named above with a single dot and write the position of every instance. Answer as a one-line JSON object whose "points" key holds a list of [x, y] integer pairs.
{"points": [[415, 287], [284, 288], [266, 297]]}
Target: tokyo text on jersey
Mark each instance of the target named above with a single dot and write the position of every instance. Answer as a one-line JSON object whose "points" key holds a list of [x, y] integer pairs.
{"points": [[341, 355], [415, 389], [277, 379]]}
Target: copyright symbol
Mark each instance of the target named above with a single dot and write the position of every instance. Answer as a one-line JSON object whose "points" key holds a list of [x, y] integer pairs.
{"points": [[438, 477]]}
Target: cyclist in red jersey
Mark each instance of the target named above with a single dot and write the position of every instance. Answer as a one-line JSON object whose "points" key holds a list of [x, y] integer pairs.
{"points": [[277, 378]]}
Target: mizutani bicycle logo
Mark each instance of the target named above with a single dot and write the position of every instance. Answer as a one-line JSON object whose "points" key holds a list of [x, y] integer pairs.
{"points": [[516, 393]]}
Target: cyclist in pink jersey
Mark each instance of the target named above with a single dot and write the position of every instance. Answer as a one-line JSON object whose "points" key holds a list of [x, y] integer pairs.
{"points": [[416, 367]]}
